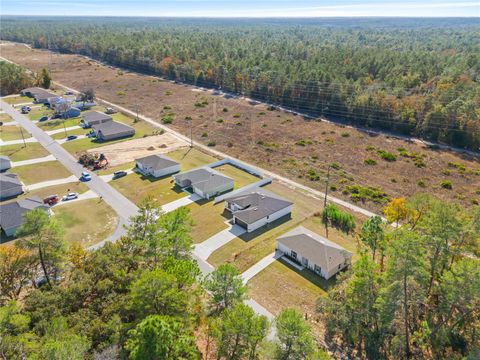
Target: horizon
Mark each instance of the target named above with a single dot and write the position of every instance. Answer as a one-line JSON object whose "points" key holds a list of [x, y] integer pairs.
{"points": [[255, 9]]}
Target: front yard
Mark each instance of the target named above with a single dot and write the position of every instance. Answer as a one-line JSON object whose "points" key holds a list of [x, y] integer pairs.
{"points": [[207, 220], [20, 152], [12, 100], [55, 124], [13, 132], [35, 173], [59, 190], [61, 135]]}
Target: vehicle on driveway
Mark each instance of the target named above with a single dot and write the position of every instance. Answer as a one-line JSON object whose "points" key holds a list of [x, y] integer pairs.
{"points": [[56, 116], [85, 176], [71, 137], [25, 109], [70, 196], [110, 110], [119, 174], [51, 200], [43, 118]]}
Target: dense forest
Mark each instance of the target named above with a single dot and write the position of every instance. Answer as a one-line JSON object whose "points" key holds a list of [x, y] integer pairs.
{"points": [[414, 77]]}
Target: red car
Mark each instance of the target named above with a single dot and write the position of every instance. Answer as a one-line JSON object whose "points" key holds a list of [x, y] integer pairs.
{"points": [[51, 200]]}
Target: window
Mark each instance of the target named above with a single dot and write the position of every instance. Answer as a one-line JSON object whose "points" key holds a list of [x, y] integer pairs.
{"points": [[294, 255]]}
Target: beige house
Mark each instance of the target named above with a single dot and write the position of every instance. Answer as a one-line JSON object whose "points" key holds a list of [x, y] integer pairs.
{"points": [[313, 251]]}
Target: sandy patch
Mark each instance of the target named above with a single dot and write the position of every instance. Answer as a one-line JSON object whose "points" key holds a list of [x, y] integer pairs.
{"points": [[127, 151]]}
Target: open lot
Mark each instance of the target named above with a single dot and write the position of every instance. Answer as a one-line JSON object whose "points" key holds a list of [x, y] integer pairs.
{"points": [[289, 145], [17, 99], [88, 221], [12, 132], [20, 152], [35, 173]]}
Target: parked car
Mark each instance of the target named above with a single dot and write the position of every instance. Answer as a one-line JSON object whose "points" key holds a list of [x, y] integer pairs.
{"points": [[71, 137], [56, 116], [43, 118], [70, 196], [110, 110], [86, 176], [119, 174], [51, 200], [25, 109]]}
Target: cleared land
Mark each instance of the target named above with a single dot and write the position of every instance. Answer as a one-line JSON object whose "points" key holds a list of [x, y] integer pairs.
{"points": [[12, 132], [87, 222], [35, 173], [290, 145], [20, 152]]}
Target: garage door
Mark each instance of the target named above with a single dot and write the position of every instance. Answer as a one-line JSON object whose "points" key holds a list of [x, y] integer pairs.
{"points": [[241, 223]]}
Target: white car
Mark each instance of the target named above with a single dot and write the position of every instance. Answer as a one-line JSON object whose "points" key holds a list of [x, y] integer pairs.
{"points": [[70, 196]]}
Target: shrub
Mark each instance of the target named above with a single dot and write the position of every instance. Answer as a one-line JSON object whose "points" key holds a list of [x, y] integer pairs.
{"points": [[120, 93], [168, 92], [369, 162], [345, 134], [385, 155], [329, 141], [201, 103], [220, 121], [312, 175], [204, 135], [335, 166], [370, 193], [370, 148], [167, 107], [338, 219], [188, 118], [421, 184], [303, 142], [167, 119], [262, 113], [225, 109], [239, 123], [236, 116], [446, 184], [333, 187], [211, 143]]}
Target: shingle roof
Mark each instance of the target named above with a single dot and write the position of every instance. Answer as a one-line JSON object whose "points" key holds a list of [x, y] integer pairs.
{"points": [[95, 116], [4, 160], [157, 161], [205, 179], [314, 247], [257, 204], [9, 181], [37, 92], [11, 214], [112, 128]]}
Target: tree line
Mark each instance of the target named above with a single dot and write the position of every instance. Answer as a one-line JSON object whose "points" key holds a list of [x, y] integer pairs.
{"points": [[15, 78], [414, 77]]}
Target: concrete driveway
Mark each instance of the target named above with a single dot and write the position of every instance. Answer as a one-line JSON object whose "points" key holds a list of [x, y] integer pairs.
{"points": [[180, 202], [43, 184], [206, 248]]}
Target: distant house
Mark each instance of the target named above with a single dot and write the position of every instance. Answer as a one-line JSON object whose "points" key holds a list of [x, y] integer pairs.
{"points": [[5, 163], [38, 94], [10, 185], [63, 106], [204, 181], [112, 130], [313, 251], [157, 165], [256, 208], [11, 214], [71, 113], [91, 118]]}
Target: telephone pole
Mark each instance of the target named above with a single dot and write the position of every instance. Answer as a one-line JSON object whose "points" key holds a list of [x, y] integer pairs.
{"points": [[325, 215]]}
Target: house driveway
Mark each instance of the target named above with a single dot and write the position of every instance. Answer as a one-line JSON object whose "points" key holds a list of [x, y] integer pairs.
{"points": [[206, 248], [18, 141], [34, 161], [43, 184], [64, 140], [84, 196], [109, 177], [57, 131], [259, 266], [180, 202]]}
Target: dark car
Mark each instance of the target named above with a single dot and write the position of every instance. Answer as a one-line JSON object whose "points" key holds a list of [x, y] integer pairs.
{"points": [[43, 118], [56, 116], [119, 174], [71, 137]]}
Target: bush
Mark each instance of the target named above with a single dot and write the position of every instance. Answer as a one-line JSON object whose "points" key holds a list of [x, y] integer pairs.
{"points": [[236, 116], [338, 219], [120, 93], [188, 118], [220, 121], [369, 162], [201, 103], [421, 184], [168, 92], [335, 166], [370, 148], [167, 107], [211, 143], [446, 184], [303, 142], [225, 109], [385, 155], [167, 119], [312, 175], [345, 134], [361, 193], [204, 135]]}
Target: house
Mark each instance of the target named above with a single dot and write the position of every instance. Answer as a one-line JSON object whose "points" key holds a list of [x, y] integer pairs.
{"points": [[204, 181], [157, 165], [91, 118], [10, 186], [11, 214], [322, 256], [112, 130], [5, 163], [63, 106], [256, 208], [38, 94]]}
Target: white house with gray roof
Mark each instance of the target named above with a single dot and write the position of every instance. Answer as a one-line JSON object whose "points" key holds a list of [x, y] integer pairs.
{"points": [[112, 130], [313, 251], [10, 185], [157, 165], [204, 181], [11, 214], [91, 118], [256, 208], [5, 163]]}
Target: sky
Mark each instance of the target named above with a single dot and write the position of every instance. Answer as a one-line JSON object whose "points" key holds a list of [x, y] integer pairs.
{"points": [[244, 8]]}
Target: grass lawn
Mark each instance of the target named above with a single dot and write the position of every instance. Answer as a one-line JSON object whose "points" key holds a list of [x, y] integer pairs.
{"points": [[17, 100], [112, 169], [243, 252], [59, 190], [61, 135], [137, 187], [87, 222], [20, 152], [5, 118], [190, 158], [58, 123], [207, 220], [13, 132], [241, 177], [35, 173], [37, 112], [280, 285]]}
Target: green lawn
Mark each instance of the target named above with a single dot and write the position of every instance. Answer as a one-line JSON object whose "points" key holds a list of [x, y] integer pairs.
{"points": [[137, 187], [5, 118], [20, 152], [87, 222], [112, 169], [241, 177], [37, 112], [207, 220], [59, 190], [17, 100], [13, 132], [58, 124], [61, 135], [35, 173]]}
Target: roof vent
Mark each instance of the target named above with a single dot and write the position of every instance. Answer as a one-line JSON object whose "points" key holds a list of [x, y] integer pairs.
{"points": [[255, 209]]}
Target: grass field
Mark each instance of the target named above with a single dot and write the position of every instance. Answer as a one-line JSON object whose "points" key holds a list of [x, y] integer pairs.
{"points": [[58, 124], [13, 132], [35, 173], [207, 219], [241, 177], [61, 135], [20, 152], [17, 100], [5, 118], [59, 190], [87, 222]]}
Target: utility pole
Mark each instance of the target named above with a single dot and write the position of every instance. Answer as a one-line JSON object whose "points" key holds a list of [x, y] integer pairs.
{"points": [[23, 137], [191, 133], [325, 216]]}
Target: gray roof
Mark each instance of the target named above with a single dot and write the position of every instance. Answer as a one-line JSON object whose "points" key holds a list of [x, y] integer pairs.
{"points": [[37, 92], [9, 181], [113, 128], [11, 214], [157, 161], [4, 159], [95, 116], [257, 204], [205, 179], [314, 247]]}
